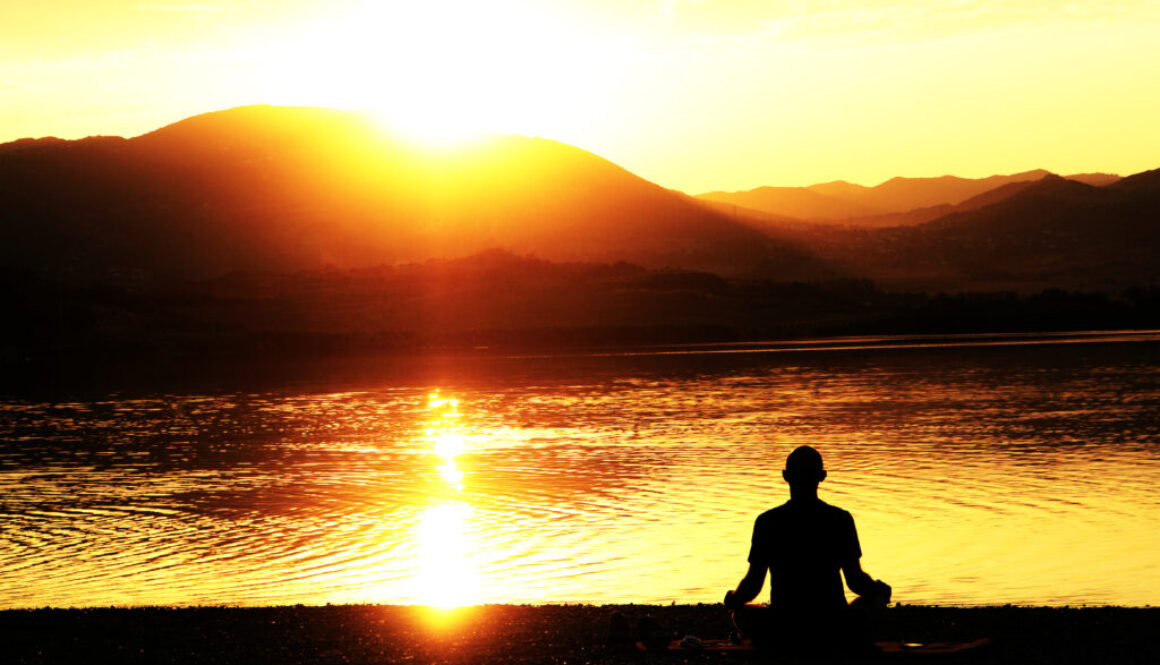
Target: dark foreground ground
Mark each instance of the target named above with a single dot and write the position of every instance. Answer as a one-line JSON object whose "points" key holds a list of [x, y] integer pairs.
{"points": [[525, 634]]}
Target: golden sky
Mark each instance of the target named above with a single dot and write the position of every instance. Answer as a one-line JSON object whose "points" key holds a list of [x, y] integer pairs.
{"points": [[692, 94]]}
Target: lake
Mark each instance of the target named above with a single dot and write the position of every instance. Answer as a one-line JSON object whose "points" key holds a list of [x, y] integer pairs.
{"points": [[980, 470]]}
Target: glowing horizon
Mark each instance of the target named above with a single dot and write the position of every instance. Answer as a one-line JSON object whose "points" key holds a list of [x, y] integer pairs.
{"points": [[696, 96]]}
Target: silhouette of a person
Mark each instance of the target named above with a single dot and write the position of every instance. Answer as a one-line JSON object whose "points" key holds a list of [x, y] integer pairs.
{"points": [[806, 545]]}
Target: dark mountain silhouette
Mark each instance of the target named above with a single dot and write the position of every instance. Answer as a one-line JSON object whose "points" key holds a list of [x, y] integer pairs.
{"points": [[284, 233], [1094, 179], [773, 221], [1145, 183], [1054, 233], [797, 202], [931, 213], [297, 231], [896, 202], [902, 194], [285, 189]]}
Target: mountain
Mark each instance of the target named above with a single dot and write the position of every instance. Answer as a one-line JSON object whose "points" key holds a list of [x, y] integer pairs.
{"points": [[931, 213], [283, 189], [1054, 233], [1144, 184], [896, 202], [1094, 179], [797, 202], [902, 194], [767, 220]]}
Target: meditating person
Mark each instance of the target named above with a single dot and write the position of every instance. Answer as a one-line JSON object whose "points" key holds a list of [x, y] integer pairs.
{"points": [[806, 546]]}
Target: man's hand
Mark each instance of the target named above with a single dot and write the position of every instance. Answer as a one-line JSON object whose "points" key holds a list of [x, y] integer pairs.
{"points": [[882, 592], [747, 589], [875, 594]]}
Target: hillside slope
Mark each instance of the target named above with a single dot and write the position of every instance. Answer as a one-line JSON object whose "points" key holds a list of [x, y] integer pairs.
{"points": [[284, 189], [1055, 233], [896, 202]]}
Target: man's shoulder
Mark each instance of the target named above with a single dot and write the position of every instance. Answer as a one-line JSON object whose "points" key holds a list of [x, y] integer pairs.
{"points": [[777, 514], [833, 510], [812, 507], [774, 512]]}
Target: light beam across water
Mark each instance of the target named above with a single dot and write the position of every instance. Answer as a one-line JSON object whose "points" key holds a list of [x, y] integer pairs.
{"points": [[446, 577], [977, 475]]}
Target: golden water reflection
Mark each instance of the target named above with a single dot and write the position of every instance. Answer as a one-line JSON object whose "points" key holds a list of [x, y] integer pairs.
{"points": [[445, 576], [1022, 476], [447, 441]]}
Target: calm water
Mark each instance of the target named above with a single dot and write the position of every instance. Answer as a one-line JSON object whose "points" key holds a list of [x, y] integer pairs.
{"points": [[977, 474]]}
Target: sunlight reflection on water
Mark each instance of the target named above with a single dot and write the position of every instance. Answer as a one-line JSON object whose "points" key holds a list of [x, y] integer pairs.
{"points": [[445, 577], [1023, 476]]}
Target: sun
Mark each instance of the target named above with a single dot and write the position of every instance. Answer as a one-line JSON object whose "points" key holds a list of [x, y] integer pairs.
{"points": [[430, 79], [430, 125], [447, 72]]}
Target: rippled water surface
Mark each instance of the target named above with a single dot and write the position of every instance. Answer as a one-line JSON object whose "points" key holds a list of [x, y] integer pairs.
{"points": [[977, 474]]}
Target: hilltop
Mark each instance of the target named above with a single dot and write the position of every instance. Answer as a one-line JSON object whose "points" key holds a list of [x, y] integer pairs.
{"points": [[279, 232], [285, 189], [1052, 233], [898, 201]]}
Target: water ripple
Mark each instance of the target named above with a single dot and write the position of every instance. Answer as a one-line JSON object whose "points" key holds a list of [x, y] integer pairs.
{"points": [[989, 476]]}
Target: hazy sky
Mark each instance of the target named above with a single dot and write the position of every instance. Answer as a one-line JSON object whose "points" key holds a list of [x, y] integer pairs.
{"points": [[693, 94]]}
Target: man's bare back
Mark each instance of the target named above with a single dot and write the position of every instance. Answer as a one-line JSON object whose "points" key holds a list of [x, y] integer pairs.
{"points": [[806, 546]]}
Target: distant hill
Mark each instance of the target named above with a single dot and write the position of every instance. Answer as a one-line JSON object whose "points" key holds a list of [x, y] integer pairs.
{"points": [[293, 232], [1145, 183], [902, 194], [1093, 179], [284, 189], [896, 202], [1054, 233], [931, 213], [798, 202], [278, 190]]}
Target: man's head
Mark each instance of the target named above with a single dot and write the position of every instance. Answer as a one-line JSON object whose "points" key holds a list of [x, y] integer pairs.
{"points": [[803, 468]]}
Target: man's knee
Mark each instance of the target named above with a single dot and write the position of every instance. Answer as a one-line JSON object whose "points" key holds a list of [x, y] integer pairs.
{"points": [[752, 621], [872, 603]]}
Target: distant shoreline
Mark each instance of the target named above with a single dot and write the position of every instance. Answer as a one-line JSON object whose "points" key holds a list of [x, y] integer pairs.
{"points": [[256, 363], [513, 634], [876, 343]]}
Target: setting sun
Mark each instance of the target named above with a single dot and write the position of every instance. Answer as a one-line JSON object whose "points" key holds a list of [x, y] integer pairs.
{"points": [[644, 249], [692, 95], [447, 72]]}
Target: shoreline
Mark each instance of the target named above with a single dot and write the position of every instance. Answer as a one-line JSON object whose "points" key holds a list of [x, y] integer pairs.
{"points": [[89, 372], [511, 634]]}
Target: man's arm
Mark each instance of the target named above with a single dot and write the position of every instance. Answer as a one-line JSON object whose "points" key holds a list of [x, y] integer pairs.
{"points": [[748, 588], [862, 584]]}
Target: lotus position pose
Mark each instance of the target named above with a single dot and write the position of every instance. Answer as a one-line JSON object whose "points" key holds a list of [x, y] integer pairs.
{"points": [[803, 544]]}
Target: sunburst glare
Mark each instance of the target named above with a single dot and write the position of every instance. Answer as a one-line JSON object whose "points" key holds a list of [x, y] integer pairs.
{"points": [[446, 576], [447, 73], [447, 442]]}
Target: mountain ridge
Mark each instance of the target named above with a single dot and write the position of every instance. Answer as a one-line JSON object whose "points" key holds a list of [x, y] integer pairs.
{"points": [[287, 188], [897, 201], [1053, 233]]}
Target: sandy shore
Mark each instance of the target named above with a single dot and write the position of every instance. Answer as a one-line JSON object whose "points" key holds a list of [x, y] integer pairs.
{"points": [[522, 634]]}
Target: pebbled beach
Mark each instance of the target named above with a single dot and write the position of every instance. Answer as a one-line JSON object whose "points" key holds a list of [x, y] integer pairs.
{"points": [[510, 634]]}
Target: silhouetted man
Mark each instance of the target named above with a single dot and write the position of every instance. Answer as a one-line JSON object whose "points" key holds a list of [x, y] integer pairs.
{"points": [[803, 544]]}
